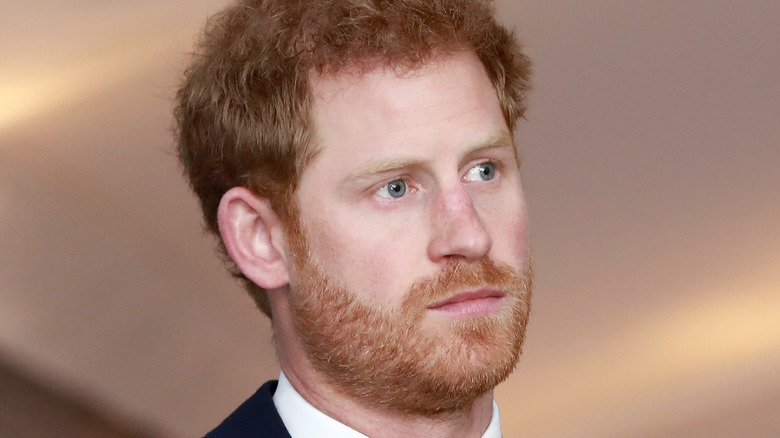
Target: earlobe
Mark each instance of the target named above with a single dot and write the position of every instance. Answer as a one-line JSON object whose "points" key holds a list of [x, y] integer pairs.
{"points": [[254, 237]]}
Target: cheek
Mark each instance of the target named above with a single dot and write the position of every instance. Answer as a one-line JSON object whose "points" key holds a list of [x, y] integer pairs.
{"points": [[508, 228], [520, 239], [377, 265]]}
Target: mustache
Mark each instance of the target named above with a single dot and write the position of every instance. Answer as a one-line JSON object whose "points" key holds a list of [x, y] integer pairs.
{"points": [[457, 277]]}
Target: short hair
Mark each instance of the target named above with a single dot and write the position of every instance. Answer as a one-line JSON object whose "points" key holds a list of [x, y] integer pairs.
{"points": [[243, 109]]}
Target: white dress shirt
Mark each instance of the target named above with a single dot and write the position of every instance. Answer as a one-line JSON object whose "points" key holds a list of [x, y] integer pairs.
{"points": [[303, 420]]}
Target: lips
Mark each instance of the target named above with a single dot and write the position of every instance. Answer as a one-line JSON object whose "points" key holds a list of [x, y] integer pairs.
{"points": [[469, 303]]}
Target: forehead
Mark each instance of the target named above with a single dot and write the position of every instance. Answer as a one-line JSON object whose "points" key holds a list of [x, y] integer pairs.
{"points": [[383, 80], [385, 109]]}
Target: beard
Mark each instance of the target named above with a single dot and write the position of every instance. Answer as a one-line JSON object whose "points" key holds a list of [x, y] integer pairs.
{"points": [[401, 359]]}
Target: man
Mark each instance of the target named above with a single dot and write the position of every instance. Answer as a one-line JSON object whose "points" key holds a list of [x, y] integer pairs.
{"points": [[357, 161]]}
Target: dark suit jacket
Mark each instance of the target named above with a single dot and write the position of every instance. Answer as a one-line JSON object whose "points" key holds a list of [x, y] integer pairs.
{"points": [[255, 418]]}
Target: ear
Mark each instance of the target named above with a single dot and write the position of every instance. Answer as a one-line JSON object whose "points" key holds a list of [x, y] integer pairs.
{"points": [[254, 237]]}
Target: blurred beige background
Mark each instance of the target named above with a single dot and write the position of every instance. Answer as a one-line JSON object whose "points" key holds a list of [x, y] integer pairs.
{"points": [[651, 163]]}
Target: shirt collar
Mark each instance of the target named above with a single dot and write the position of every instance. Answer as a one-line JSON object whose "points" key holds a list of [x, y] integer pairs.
{"points": [[304, 420]]}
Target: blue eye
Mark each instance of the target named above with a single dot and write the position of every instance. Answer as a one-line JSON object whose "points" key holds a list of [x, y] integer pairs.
{"points": [[393, 189], [482, 172]]}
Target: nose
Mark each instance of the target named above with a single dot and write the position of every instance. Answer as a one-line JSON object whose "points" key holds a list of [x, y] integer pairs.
{"points": [[458, 232]]}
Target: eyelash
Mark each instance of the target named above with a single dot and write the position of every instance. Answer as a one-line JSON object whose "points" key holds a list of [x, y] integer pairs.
{"points": [[496, 168], [408, 188], [386, 186]]}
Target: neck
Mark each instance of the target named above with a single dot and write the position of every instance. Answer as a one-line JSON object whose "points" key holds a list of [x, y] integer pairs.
{"points": [[469, 421]]}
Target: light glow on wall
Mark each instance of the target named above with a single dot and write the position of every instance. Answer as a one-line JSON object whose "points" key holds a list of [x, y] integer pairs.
{"points": [[25, 95], [649, 370]]}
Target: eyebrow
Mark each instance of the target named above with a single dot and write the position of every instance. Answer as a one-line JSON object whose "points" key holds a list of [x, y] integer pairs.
{"points": [[500, 140], [383, 167]]}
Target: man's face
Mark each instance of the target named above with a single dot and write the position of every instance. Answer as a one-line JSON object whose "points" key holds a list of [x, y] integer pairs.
{"points": [[411, 288]]}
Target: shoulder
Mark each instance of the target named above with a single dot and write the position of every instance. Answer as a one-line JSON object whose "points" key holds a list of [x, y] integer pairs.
{"points": [[256, 417]]}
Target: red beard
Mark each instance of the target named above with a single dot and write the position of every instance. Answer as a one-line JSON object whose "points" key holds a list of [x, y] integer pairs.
{"points": [[398, 359]]}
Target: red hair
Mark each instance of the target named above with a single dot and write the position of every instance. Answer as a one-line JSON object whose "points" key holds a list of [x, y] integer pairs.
{"points": [[243, 109]]}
